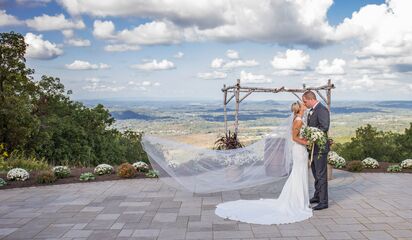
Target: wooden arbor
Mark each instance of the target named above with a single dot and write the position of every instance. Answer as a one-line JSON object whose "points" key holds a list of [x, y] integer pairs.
{"points": [[237, 89]]}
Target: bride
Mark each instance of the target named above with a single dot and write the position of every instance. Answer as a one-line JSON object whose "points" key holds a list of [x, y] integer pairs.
{"points": [[292, 205]]}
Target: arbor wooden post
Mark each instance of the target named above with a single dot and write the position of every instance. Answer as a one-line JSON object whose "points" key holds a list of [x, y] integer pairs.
{"points": [[329, 94], [224, 107], [237, 94]]}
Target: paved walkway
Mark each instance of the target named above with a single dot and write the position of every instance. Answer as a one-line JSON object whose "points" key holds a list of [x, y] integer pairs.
{"points": [[362, 206]]}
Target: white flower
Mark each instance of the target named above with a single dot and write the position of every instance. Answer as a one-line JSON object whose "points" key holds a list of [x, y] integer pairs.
{"points": [[103, 169], [370, 163], [18, 174], [336, 160], [140, 166], [407, 163]]}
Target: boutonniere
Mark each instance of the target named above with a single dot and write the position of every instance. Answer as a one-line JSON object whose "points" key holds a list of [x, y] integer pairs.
{"points": [[310, 113]]}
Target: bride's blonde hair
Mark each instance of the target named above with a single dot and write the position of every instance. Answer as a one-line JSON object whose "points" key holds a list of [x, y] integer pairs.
{"points": [[295, 108]]}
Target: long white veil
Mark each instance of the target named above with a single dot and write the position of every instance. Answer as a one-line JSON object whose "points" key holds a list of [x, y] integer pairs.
{"points": [[201, 170]]}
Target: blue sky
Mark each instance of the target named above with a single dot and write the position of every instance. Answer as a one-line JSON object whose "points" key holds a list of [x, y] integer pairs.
{"points": [[146, 50]]}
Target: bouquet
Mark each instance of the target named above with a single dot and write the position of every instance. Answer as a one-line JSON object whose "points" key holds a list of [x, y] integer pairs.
{"points": [[314, 136]]}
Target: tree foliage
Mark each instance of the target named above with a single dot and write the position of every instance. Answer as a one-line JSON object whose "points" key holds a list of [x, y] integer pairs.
{"points": [[383, 146], [40, 119]]}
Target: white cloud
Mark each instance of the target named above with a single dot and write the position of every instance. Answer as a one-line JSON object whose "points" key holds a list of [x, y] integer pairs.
{"points": [[240, 63], [232, 54], [103, 29], [78, 42], [291, 61], [146, 83], [97, 85], [179, 55], [333, 68], [8, 20], [121, 48], [68, 33], [224, 20], [41, 49], [154, 65], [212, 75], [84, 65], [247, 77], [217, 63], [151, 33], [50, 23]]}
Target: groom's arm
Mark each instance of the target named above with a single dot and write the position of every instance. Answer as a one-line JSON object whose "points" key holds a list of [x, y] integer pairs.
{"points": [[324, 119]]}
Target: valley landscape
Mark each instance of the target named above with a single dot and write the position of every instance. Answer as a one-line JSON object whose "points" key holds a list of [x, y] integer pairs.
{"points": [[200, 123]]}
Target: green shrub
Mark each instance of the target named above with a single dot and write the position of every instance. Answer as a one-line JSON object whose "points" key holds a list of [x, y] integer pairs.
{"points": [[152, 173], [61, 171], [2, 182], [87, 176], [394, 168], [18, 159], [355, 166], [385, 146], [126, 170], [46, 177]]}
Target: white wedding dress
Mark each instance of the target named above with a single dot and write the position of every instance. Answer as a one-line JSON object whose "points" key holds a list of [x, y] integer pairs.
{"points": [[291, 206]]}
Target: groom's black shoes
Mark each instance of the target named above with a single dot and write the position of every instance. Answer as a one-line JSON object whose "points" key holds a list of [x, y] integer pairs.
{"points": [[320, 207], [314, 200]]}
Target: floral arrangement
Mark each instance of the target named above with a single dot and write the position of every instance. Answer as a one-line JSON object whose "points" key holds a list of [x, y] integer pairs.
{"points": [[87, 176], [314, 136], [2, 182], [152, 173], [141, 166], [394, 168], [18, 174], [336, 160], [370, 163], [126, 170], [61, 171], [407, 163], [102, 169]]}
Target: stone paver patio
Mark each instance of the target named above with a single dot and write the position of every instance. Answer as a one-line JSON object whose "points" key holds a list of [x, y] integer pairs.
{"points": [[362, 206]]}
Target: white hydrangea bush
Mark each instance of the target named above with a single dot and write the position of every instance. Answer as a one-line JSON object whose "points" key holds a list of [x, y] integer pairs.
{"points": [[102, 169], [141, 166], [407, 163], [61, 171], [18, 174], [370, 163], [336, 160]]}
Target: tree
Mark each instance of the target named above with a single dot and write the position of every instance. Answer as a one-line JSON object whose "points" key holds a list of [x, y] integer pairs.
{"points": [[16, 91]]}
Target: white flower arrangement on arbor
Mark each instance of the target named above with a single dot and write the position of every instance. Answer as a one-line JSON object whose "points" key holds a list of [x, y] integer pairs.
{"points": [[18, 174], [141, 166], [336, 160], [407, 163], [370, 163], [102, 169]]}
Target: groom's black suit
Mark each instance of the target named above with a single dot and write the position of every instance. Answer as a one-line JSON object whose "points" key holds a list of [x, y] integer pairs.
{"points": [[319, 117]]}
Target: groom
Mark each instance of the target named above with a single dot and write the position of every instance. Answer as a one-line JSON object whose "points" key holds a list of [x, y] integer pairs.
{"points": [[318, 117]]}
